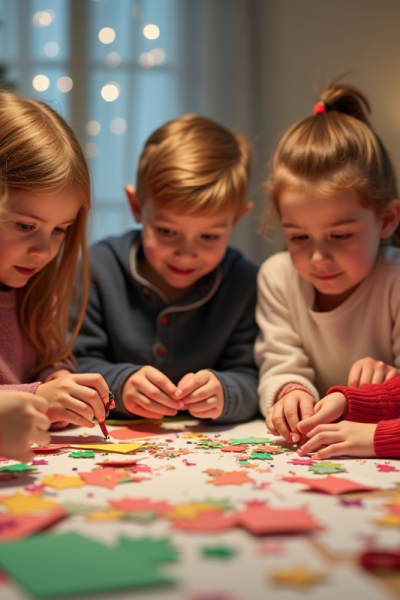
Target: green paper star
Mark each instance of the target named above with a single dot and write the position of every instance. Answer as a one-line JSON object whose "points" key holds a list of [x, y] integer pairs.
{"points": [[249, 440], [223, 552]]}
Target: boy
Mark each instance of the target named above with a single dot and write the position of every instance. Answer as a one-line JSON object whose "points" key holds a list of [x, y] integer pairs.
{"points": [[170, 321]]}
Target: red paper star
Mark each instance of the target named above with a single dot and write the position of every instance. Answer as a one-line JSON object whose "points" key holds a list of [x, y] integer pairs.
{"points": [[331, 484], [261, 520]]}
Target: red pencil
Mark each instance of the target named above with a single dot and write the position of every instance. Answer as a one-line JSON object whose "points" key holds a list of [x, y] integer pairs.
{"points": [[104, 429]]}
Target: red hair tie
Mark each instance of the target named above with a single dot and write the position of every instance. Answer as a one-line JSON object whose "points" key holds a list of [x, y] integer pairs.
{"points": [[321, 107]]}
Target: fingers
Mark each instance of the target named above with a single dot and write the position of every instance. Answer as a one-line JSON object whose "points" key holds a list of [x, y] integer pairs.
{"points": [[330, 451], [147, 414], [322, 435], [354, 375], [391, 372], [39, 403], [207, 409], [369, 370], [155, 406], [270, 424], [162, 382], [192, 384], [280, 423]]}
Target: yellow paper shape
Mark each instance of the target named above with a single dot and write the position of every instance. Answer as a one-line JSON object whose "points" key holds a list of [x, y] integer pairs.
{"points": [[61, 482], [190, 511], [19, 504], [105, 515], [194, 435], [389, 520], [118, 448], [296, 577]]}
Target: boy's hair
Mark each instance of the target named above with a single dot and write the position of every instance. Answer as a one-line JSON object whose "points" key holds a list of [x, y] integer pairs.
{"points": [[194, 165], [333, 150], [40, 153]]}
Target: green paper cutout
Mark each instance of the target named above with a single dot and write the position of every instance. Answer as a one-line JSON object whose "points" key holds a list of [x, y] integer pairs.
{"points": [[21, 467], [261, 456], [243, 462], [150, 550], [249, 440], [223, 552], [84, 454], [323, 468], [69, 563], [141, 516]]}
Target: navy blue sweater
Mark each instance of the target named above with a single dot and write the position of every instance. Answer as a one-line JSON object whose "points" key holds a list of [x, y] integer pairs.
{"points": [[213, 327]]}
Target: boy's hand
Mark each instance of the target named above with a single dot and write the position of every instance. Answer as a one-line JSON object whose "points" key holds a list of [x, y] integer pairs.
{"points": [[368, 370], [285, 415], [76, 398], [23, 421], [340, 439], [327, 410], [201, 394], [150, 394]]}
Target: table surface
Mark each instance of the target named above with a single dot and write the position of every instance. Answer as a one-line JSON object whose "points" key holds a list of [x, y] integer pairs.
{"points": [[239, 565]]}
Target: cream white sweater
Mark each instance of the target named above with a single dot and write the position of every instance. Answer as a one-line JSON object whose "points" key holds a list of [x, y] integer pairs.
{"points": [[317, 349]]}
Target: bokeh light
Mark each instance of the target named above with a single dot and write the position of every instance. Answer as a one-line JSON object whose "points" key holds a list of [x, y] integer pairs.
{"points": [[65, 84], [113, 60], [107, 35], [93, 127], [43, 18], [91, 150], [51, 49], [40, 83], [110, 91], [151, 31], [118, 126]]}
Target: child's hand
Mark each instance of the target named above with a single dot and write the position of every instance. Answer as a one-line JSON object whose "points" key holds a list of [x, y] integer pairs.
{"points": [[202, 394], [368, 370], [75, 398], [23, 421], [327, 410], [340, 439], [285, 415], [150, 394]]}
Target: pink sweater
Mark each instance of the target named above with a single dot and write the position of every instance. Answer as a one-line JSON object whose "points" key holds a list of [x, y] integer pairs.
{"points": [[17, 355], [377, 403]]}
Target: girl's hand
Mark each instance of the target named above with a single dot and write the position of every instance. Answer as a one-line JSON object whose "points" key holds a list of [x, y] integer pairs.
{"points": [[23, 421], [327, 410], [150, 394], [340, 439], [368, 370], [285, 415], [76, 398], [201, 394]]}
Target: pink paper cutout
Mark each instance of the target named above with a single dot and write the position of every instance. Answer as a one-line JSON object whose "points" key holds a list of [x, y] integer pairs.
{"points": [[386, 468], [232, 478], [261, 520], [107, 477], [126, 433], [302, 461], [331, 484], [135, 505], [115, 462], [206, 521], [16, 527]]}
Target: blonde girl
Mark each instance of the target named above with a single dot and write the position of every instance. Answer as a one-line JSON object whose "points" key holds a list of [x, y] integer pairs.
{"points": [[329, 306], [44, 232]]}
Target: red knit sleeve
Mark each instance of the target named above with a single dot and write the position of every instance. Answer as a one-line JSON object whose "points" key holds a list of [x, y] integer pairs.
{"points": [[371, 403], [387, 439]]}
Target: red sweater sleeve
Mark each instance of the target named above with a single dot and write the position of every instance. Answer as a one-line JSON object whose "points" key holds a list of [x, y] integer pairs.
{"points": [[377, 403]]}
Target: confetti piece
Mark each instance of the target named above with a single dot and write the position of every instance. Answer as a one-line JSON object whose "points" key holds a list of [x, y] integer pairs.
{"points": [[299, 577]]}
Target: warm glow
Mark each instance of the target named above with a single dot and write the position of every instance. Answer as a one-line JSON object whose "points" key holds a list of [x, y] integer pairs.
{"points": [[41, 83], [93, 127], [65, 84], [151, 32], [110, 91], [91, 150], [118, 126], [152, 58], [43, 18], [107, 35], [113, 59], [51, 49]]}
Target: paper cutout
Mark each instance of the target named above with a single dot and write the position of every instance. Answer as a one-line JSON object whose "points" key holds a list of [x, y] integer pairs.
{"points": [[140, 505], [389, 520], [40, 461], [228, 477], [233, 448], [222, 552], [49, 449], [105, 515], [271, 449], [261, 519], [107, 477], [302, 461], [249, 440], [117, 448], [19, 468], [331, 485], [120, 463], [62, 482], [126, 433], [383, 468], [206, 522], [260, 456], [192, 510], [18, 504], [323, 468], [84, 454], [297, 577], [77, 565], [353, 502], [153, 550], [16, 527]]}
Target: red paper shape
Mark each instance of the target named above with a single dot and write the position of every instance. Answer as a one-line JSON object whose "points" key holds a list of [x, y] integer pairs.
{"points": [[17, 527], [234, 448], [115, 462], [136, 505], [301, 461], [261, 520], [207, 521], [386, 468], [50, 448], [332, 484], [107, 477], [232, 478]]}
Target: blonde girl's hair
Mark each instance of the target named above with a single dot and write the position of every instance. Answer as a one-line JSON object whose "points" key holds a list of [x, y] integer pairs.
{"points": [[40, 153], [195, 165], [335, 149]]}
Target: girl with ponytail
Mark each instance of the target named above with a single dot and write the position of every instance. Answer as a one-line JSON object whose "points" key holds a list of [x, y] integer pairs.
{"points": [[329, 307]]}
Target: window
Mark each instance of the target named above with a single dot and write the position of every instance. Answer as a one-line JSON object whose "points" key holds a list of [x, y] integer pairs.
{"points": [[110, 69]]}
